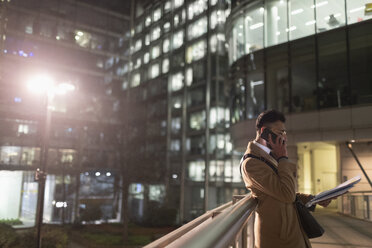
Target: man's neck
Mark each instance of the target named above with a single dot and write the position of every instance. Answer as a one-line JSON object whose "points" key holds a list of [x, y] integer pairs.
{"points": [[262, 145]]}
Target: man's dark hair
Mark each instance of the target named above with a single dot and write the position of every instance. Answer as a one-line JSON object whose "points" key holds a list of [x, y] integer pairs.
{"points": [[269, 116]]}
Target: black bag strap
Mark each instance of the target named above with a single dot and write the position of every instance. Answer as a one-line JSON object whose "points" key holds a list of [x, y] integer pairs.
{"points": [[249, 155]]}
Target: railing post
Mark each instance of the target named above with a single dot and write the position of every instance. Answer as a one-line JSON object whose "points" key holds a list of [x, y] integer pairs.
{"points": [[245, 235], [250, 231]]}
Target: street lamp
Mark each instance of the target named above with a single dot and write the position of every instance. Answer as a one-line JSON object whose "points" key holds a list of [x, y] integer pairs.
{"points": [[45, 85]]}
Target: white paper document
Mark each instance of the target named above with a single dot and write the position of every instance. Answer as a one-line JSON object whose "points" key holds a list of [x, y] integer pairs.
{"points": [[337, 191]]}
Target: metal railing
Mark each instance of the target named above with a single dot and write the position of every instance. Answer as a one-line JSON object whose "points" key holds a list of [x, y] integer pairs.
{"points": [[230, 225], [358, 204]]}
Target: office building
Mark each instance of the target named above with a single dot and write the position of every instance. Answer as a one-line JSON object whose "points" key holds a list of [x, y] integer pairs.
{"points": [[179, 110], [310, 60], [84, 44]]}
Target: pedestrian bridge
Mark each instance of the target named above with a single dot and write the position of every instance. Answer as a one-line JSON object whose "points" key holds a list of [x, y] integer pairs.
{"points": [[231, 225]]}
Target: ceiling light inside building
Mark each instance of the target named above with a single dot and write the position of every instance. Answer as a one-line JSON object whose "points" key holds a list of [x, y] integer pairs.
{"points": [[297, 11], [310, 22], [357, 9], [319, 4], [257, 25]]}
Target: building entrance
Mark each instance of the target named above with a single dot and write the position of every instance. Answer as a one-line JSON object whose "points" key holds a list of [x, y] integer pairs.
{"points": [[318, 167]]}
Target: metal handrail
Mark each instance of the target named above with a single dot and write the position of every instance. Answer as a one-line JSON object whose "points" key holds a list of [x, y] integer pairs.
{"points": [[209, 231], [172, 236], [359, 192]]}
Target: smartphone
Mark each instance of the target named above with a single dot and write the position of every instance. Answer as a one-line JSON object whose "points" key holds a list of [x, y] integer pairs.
{"points": [[265, 135]]}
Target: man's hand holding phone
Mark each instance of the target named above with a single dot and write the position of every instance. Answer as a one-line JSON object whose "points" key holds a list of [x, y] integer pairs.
{"points": [[278, 146]]}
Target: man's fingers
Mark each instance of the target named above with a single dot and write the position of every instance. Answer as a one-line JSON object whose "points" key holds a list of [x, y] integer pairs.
{"points": [[270, 139]]}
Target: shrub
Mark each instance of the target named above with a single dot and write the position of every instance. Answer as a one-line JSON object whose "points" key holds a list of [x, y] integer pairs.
{"points": [[8, 236], [11, 222], [51, 238], [91, 213], [160, 216]]}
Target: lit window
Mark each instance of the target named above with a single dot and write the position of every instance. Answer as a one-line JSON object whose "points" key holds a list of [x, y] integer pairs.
{"points": [[214, 2], [177, 104], [166, 44], [154, 71], [228, 171], [176, 20], [166, 26], [155, 33], [121, 70], [196, 8], [177, 81], [165, 66], [136, 79], [178, 39], [197, 120], [217, 142], [217, 116], [138, 63], [176, 122], [178, 3], [196, 171], [28, 29], [228, 144], [189, 76], [197, 28], [82, 38], [167, 6], [124, 85], [146, 58], [157, 15], [148, 21], [156, 193], [217, 40], [330, 14], [357, 11], [139, 28], [155, 52], [10, 154], [147, 39], [196, 51], [109, 63], [138, 45], [218, 17], [175, 145], [179, 18], [23, 129]]}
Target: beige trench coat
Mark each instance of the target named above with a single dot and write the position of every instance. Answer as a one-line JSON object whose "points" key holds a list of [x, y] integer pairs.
{"points": [[276, 224]]}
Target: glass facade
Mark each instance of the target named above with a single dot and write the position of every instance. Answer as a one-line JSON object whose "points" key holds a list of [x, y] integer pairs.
{"points": [[305, 58], [264, 24], [82, 44], [193, 62]]}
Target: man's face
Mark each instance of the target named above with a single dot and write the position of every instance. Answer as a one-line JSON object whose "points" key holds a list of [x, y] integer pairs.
{"points": [[278, 128]]}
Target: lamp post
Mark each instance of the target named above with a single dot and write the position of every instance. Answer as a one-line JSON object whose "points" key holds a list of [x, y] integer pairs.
{"points": [[45, 85]]}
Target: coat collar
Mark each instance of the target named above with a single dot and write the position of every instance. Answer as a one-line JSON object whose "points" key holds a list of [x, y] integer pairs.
{"points": [[252, 148]]}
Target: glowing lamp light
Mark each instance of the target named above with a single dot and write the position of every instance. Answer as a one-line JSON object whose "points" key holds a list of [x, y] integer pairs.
{"points": [[40, 84]]}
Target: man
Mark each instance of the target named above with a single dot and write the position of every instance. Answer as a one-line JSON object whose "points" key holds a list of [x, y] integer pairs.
{"points": [[277, 224]]}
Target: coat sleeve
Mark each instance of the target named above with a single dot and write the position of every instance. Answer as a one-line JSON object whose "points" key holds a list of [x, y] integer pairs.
{"points": [[304, 198], [259, 175]]}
